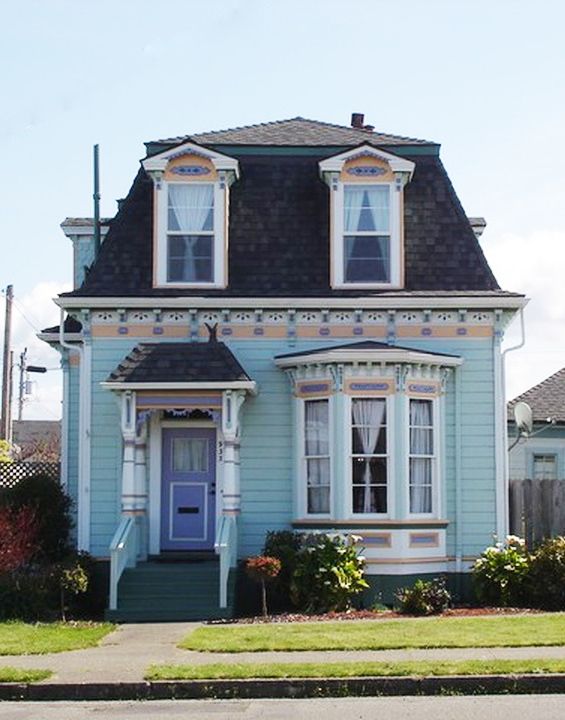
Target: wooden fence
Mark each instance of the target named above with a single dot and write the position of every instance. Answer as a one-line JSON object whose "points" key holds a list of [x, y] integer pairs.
{"points": [[537, 509], [12, 473]]}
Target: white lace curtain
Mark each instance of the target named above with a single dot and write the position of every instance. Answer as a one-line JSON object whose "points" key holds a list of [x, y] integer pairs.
{"points": [[190, 211], [190, 455], [366, 209], [368, 416], [421, 443]]}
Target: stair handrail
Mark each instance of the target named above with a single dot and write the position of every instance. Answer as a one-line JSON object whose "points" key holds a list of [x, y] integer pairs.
{"points": [[225, 547], [122, 555]]}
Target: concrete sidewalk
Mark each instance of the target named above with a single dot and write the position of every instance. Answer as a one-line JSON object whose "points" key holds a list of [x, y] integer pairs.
{"points": [[125, 654]]}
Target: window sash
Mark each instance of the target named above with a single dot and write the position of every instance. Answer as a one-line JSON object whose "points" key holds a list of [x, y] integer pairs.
{"points": [[421, 457], [544, 467], [369, 456], [316, 456]]}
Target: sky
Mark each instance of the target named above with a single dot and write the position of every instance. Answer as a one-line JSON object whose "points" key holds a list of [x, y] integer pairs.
{"points": [[482, 78]]}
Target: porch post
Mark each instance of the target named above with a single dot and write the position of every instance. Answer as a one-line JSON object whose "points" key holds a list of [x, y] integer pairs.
{"points": [[231, 498], [140, 487], [134, 490]]}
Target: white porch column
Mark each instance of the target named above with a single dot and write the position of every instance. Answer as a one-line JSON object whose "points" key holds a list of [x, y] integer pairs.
{"points": [[232, 402], [128, 463], [140, 489]]}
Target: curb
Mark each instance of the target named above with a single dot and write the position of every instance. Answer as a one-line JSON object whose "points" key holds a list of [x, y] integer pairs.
{"points": [[299, 688]]}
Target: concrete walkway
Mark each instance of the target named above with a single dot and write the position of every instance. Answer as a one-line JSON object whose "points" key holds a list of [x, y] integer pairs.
{"points": [[125, 654]]}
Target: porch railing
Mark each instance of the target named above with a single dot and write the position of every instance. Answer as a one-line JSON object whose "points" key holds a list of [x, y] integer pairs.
{"points": [[122, 554], [226, 547]]}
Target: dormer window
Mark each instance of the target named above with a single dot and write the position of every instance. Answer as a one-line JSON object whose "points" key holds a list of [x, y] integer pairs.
{"points": [[366, 206], [191, 216]]}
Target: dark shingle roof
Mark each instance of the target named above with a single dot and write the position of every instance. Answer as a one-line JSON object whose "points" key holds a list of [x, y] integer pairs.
{"points": [[179, 362], [547, 399], [279, 236], [295, 131], [70, 326]]}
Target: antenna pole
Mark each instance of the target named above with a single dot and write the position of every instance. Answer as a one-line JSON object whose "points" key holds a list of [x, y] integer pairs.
{"points": [[21, 386], [6, 420], [96, 197]]}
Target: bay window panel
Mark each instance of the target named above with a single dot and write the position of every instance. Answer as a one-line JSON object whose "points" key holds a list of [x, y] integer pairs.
{"points": [[369, 466], [317, 456], [421, 462]]}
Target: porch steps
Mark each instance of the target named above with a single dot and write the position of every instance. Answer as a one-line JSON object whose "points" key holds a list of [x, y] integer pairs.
{"points": [[167, 591]]}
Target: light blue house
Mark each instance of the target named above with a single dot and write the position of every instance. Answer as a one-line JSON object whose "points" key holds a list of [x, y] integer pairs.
{"points": [[288, 325]]}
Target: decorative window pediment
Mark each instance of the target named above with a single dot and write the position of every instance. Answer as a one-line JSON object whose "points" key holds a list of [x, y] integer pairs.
{"points": [[191, 215], [366, 206]]}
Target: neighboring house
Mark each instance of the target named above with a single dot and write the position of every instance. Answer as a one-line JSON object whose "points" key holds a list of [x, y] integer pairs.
{"points": [[541, 456], [37, 440], [289, 325]]}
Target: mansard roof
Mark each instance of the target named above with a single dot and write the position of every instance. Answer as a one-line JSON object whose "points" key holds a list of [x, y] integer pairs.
{"points": [[279, 235]]}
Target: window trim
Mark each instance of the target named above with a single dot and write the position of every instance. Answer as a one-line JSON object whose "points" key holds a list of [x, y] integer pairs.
{"points": [[436, 458], [544, 454], [301, 474], [338, 238], [390, 454], [219, 237]]}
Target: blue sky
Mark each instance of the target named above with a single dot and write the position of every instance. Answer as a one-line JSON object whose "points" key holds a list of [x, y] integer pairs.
{"points": [[484, 79]]}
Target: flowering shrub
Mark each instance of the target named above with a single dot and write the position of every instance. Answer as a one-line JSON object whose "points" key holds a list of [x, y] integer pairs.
{"points": [[500, 575], [262, 569], [18, 538], [284, 545], [328, 573], [425, 597], [547, 575]]}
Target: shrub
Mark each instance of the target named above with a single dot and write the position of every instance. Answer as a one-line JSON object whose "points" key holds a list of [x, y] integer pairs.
{"points": [[283, 545], [425, 597], [500, 575], [546, 582], [328, 573], [28, 593], [263, 569], [52, 509], [18, 538]]}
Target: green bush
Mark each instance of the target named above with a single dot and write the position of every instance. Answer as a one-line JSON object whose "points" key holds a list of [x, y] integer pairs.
{"points": [[285, 546], [28, 593], [425, 597], [328, 573], [501, 574], [546, 581], [52, 509]]}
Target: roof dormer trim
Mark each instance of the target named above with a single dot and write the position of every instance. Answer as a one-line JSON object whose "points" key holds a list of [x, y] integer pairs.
{"points": [[399, 166], [157, 164]]}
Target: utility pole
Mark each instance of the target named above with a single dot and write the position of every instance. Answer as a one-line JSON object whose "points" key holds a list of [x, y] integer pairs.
{"points": [[22, 384], [6, 420]]}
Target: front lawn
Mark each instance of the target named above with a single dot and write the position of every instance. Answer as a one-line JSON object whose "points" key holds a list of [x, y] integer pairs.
{"points": [[19, 638], [21, 675], [235, 671], [438, 632]]}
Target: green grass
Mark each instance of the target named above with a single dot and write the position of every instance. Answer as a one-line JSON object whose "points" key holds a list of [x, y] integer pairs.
{"points": [[454, 632], [19, 638], [227, 671], [21, 675]]}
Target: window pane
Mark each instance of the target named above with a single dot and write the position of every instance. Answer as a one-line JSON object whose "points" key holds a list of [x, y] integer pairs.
{"points": [[366, 209], [420, 499], [190, 455], [316, 427], [368, 418], [318, 489], [369, 500], [190, 208], [190, 258], [366, 258], [545, 467], [318, 500], [369, 471]]}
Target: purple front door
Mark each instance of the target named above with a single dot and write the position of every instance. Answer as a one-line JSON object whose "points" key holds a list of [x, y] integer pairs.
{"points": [[188, 495]]}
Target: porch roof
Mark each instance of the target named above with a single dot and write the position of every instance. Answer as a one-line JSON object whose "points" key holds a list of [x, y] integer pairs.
{"points": [[178, 363]]}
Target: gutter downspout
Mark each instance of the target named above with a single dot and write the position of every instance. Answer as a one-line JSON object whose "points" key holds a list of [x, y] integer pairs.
{"points": [[83, 490], [504, 420]]}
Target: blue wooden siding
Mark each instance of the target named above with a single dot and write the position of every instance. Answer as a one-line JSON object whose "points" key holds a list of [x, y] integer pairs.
{"points": [[267, 465], [72, 408]]}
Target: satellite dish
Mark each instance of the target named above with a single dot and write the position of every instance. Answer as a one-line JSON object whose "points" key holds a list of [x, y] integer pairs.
{"points": [[523, 417]]}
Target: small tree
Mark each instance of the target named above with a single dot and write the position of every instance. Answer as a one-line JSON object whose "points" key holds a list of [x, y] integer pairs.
{"points": [[263, 569]]}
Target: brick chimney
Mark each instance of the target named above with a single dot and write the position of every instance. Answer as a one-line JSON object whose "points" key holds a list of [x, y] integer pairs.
{"points": [[357, 120]]}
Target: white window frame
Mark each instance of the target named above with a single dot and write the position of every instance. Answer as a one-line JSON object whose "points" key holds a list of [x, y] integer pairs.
{"points": [[338, 236], [435, 457], [302, 458], [219, 236], [390, 454]]}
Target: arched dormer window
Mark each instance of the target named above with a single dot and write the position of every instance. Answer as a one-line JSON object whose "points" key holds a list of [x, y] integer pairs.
{"points": [[191, 216], [366, 206]]}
